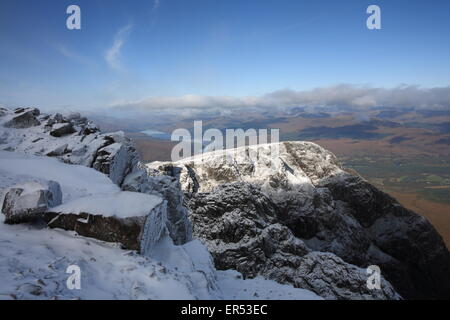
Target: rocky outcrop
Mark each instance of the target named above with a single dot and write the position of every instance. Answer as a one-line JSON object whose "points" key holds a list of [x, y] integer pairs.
{"points": [[167, 187], [239, 224], [71, 138], [23, 118], [29, 201], [305, 192], [419, 260], [61, 129], [75, 140]]}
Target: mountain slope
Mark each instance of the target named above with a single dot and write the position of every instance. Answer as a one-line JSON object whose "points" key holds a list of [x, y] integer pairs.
{"points": [[306, 196], [34, 258]]}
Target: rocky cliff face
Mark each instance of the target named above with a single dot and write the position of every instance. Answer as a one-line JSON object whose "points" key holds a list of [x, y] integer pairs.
{"points": [[300, 218]]}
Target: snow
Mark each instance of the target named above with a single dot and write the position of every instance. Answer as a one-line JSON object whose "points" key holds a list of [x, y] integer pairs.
{"points": [[260, 288], [33, 265], [75, 180], [274, 166], [122, 204], [33, 261]]}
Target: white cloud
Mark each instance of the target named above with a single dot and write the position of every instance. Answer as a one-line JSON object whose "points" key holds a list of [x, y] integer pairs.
{"points": [[156, 4], [343, 95], [112, 55]]}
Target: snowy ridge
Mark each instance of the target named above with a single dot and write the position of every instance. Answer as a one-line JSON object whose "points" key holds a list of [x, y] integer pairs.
{"points": [[285, 165], [92, 167]]}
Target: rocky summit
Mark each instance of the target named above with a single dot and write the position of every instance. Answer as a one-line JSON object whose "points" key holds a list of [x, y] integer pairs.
{"points": [[299, 217], [294, 217]]}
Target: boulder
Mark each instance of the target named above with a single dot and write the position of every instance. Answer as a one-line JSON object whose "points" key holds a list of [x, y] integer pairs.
{"points": [[61, 129], [29, 201], [126, 231], [24, 118], [117, 217]]}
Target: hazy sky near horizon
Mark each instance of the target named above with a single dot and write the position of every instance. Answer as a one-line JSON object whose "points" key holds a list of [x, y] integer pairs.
{"points": [[135, 50]]}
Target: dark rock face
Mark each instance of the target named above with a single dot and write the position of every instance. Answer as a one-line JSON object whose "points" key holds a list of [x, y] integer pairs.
{"points": [[420, 262], [239, 225], [126, 231], [29, 201], [61, 129], [24, 118], [327, 209]]}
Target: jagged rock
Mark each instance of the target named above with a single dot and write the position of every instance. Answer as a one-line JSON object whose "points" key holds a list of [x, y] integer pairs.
{"points": [[424, 268], [329, 209], [178, 224], [61, 129], [318, 269], [238, 223], [23, 118], [112, 154], [115, 160], [28, 201]]}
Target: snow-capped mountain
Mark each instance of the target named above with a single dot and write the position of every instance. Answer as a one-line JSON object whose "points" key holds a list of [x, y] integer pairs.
{"points": [[298, 217], [295, 226]]}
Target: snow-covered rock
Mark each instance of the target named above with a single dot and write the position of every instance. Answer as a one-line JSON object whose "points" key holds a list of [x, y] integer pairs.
{"points": [[167, 187], [29, 201], [61, 129], [33, 261], [33, 264], [240, 226], [112, 154], [116, 217], [22, 118], [304, 192], [72, 139], [287, 166]]}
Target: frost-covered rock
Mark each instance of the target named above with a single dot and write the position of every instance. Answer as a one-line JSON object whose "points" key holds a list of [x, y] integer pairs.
{"points": [[167, 187], [330, 277], [61, 129], [72, 139], [76, 140], [275, 167], [239, 225], [28, 201], [319, 203], [23, 118], [33, 261], [118, 217]]}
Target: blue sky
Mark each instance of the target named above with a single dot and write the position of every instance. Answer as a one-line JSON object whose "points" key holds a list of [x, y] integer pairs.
{"points": [[133, 50]]}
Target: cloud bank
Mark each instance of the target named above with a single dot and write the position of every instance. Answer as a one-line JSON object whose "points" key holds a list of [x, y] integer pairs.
{"points": [[340, 96]]}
